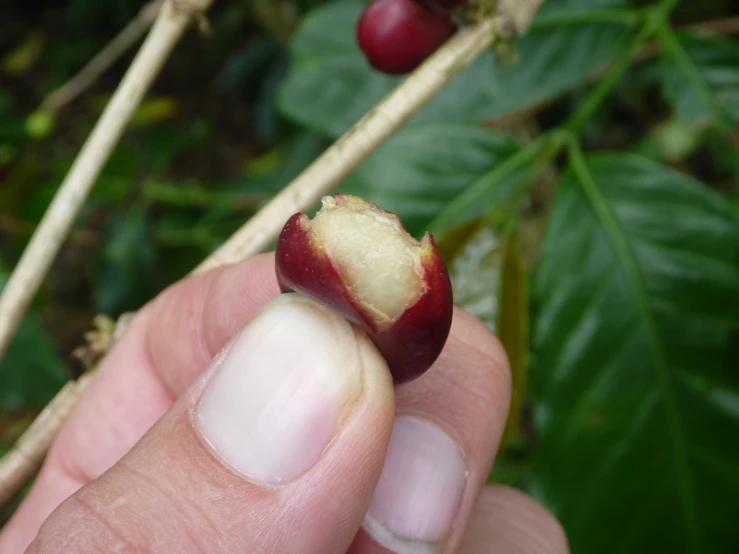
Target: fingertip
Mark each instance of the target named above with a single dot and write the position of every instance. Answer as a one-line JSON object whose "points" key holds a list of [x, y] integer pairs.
{"points": [[447, 430], [508, 521]]}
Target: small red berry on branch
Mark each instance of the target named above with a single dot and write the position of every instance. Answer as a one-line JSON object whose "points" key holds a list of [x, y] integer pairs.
{"points": [[396, 36], [360, 261]]}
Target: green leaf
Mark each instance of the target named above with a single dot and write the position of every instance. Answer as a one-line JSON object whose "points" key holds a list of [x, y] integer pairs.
{"points": [[40, 124], [474, 255], [123, 281], [672, 140], [31, 371], [571, 7], [240, 68], [637, 426], [153, 110], [330, 85], [25, 55], [272, 171], [6, 101], [513, 329], [704, 82], [422, 168]]}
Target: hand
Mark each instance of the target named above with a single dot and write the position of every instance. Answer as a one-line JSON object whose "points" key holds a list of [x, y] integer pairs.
{"points": [[278, 443]]}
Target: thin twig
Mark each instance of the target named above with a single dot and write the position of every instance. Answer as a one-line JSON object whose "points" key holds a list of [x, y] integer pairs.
{"points": [[60, 97], [726, 26], [319, 178], [26, 278], [18, 227]]}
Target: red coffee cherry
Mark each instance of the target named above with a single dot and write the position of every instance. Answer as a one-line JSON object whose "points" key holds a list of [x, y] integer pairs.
{"points": [[397, 35], [360, 261]]}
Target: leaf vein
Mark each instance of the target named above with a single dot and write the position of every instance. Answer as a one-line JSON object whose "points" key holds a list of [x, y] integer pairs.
{"points": [[623, 252]]}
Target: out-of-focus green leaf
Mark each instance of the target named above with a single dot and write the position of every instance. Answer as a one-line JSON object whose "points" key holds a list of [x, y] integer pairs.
{"points": [[20, 60], [40, 124], [273, 171], [422, 168], [67, 57], [154, 109], [124, 280], [711, 84], [192, 236], [17, 186], [31, 372], [6, 101], [330, 85], [81, 12], [12, 129], [86, 14], [474, 256], [574, 7], [671, 141], [513, 328], [279, 17], [161, 144], [7, 154], [453, 240], [268, 122], [269, 173], [637, 426], [238, 70]]}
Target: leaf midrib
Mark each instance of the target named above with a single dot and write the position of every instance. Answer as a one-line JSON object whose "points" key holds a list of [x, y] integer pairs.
{"points": [[691, 71], [623, 252]]}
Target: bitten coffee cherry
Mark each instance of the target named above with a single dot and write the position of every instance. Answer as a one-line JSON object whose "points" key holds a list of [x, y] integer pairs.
{"points": [[359, 260]]}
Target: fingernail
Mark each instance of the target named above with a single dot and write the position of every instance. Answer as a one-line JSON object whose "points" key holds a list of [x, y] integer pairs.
{"points": [[420, 487], [281, 390]]}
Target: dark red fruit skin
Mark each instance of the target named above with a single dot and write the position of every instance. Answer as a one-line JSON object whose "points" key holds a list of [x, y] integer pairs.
{"points": [[304, 267], [397, 35], [441, 6], [413, 342]]}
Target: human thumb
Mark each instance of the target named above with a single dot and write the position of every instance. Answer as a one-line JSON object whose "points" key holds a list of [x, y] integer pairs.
{"points": [[276, 448]]}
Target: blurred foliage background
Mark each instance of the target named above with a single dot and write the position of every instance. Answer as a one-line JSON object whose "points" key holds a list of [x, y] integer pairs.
{"points": [[586, 198]]}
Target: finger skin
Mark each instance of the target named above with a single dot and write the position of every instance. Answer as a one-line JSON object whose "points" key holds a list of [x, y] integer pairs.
{"points": [[173, 493], [507, 521], [467, 393], [504, 521], [166, 346]]}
